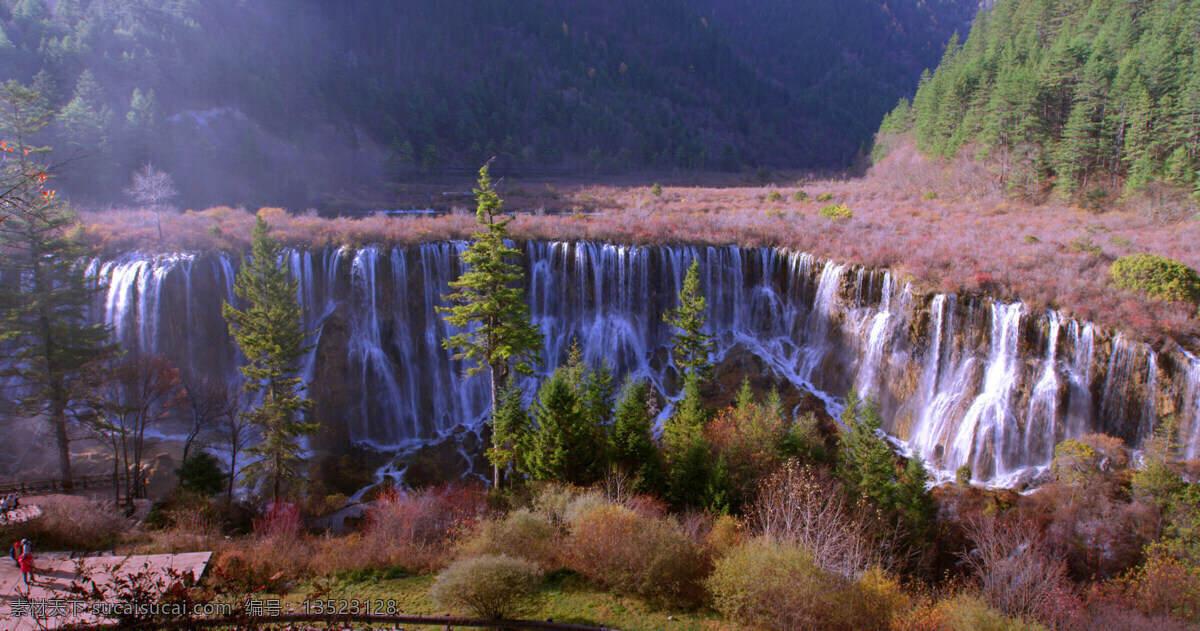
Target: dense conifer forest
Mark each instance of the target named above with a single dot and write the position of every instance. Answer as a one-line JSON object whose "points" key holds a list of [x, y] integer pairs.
{"points": [[1088, 98]]}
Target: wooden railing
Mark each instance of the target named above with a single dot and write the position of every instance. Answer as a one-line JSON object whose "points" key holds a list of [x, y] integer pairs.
{"points": [[38, 487]]}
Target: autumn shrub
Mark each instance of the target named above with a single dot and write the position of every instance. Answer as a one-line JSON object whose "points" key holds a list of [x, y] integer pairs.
{"points": [[824, 197], [777, 585], [882, 598], [965, 611], [562, 503], [1110, 451], [800, 196], [807, 507], [962, 476], [186, 522], [774, 196], [520, 534], [1165, 585], [1016, 573], [415, 530], [836, 211], [1074, 461], [281, 521], [72, 523], [1156, 276], [1096, 529], [748, 435], [645, 557], [724, 534], [244, 569], [489, 586]]}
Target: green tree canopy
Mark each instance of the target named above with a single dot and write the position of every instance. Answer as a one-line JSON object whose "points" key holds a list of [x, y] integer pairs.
{"points": [[488, 302], [49, 342], [691, 345], [269, 331]]}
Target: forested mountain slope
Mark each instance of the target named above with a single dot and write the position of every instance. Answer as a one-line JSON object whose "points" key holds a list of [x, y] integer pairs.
{"points": [[1085, 96], [292, 102]]}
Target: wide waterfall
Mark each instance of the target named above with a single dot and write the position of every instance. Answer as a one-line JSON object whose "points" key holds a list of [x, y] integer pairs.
{"points": [[960, 379]]}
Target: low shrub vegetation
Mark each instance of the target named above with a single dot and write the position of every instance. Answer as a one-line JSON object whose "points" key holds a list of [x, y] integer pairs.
{"points": [[522, 533], [488, 586], [634, 554], [1157, 277], [836, 211], [777, 585]]}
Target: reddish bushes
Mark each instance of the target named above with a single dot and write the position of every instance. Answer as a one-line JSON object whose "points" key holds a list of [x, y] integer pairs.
{"points": [[649, 558], [1016, 573], [417, 529]]}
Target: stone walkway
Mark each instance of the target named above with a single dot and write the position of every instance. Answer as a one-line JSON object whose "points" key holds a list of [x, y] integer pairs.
{"points": [[48, 603]]}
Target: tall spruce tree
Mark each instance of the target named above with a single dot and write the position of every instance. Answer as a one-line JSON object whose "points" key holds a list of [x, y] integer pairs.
{"points": [[45, 293], [511, 432], [498, 335], [690, 345], [866, 461], [631, 440], [270, 333]]}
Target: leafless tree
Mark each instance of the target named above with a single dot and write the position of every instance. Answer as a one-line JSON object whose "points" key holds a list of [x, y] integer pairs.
{"points": [[152, 189], [234, 406], [1017, 573], [132, 395], [204, 397], [807, 507]]}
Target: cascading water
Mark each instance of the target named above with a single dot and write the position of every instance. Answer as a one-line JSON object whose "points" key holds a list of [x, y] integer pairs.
{"points": [[1042, 418], [957, 390], [1189, 427], [983, 435]]}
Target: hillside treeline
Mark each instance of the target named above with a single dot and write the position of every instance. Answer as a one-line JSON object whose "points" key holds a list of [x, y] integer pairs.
{"points": [[292, 102], [1085, 97]]}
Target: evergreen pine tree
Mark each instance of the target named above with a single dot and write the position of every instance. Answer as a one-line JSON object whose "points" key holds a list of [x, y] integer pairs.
{"points": [[630, 441], [866, 461], [688, 476], [686, 425], [720, 495], [85, 118], [691, 346], [269, 332], [913, 496], [555, 448], [511, 432], [498, 335], [46, 293], [684, 448]]}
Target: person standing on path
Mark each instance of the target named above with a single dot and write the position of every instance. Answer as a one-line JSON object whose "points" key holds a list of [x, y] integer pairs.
{"points": [[26, 547], [15, 552], [27, 567]]}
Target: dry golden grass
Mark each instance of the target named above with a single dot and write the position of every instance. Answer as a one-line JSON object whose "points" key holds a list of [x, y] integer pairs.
{"points": [[944, 225]]}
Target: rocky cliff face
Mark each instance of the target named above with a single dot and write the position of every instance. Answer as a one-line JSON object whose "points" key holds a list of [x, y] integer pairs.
{"points": [[961, 379]]}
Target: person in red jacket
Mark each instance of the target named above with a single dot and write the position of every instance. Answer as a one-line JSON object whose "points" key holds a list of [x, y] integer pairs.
{"points": [[27, 567]]}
